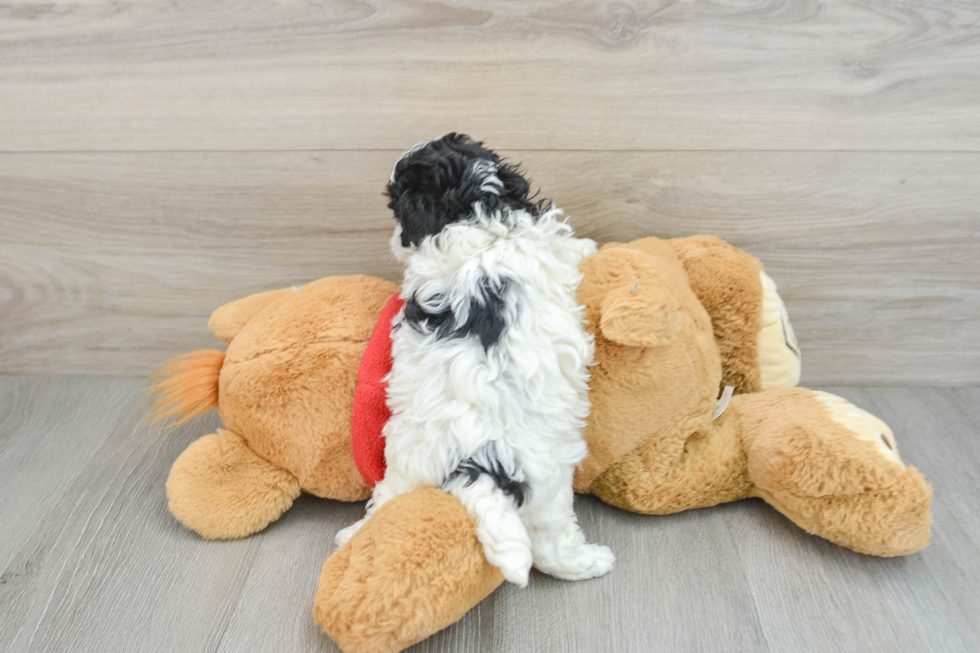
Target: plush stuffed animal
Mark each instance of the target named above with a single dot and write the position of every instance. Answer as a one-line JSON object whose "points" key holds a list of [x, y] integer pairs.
{"points": [[675, 321]]}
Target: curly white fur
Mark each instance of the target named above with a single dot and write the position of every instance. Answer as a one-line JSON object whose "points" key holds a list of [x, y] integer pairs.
{"points": [[525, 400]]}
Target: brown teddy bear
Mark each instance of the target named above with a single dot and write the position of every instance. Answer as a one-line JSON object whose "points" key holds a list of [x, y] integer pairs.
{"points": [[674, 322]]}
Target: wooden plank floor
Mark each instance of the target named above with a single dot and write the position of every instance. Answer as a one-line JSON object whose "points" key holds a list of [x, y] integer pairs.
{"points": [[90, 559]]}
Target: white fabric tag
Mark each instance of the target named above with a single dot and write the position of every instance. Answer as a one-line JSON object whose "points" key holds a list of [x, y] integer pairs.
{"points": [[726, 396]]}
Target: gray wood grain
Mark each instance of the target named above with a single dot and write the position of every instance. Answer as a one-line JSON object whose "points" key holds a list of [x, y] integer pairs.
{"points": [[101, 569], [923, 602], [112, 262], [98, 564], [49, 430], [547, 74]]}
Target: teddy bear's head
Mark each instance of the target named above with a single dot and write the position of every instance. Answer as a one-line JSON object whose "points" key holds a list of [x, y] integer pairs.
{"points": [[658, 366]]}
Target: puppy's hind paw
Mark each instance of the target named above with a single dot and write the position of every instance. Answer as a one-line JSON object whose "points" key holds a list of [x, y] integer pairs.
{"points": [[514, 564], [603, 560], [343, 535], [585, 561]]}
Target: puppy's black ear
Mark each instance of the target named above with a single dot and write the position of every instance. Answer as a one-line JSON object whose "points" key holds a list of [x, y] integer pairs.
{"points": [[517, 190], [436, 183]]}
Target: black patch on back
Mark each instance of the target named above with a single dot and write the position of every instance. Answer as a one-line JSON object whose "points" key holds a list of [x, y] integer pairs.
{"points": [[487, 463], [436, 186], [484, 319]]}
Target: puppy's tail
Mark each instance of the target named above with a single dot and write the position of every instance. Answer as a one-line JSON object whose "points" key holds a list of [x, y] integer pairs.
{"points": [[186, 386], [491, 487]]}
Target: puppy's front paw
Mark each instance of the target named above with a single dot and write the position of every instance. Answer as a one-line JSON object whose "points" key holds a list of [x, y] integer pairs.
{"points": [[585, 561]]}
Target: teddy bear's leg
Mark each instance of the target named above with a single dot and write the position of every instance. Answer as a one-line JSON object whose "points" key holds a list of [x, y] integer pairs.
{"points": [[387, 489], [834, 470], [414, 568], [758, 347], [679, 470], [223, 490], [228, 320]]}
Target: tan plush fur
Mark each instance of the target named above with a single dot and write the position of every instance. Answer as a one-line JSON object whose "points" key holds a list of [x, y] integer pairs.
{"points": [[680, 470], [220, 488], [678, 371], [413, 569], [287, 385], [673, 321], [726, 281], [814, 470], [228, 321]]}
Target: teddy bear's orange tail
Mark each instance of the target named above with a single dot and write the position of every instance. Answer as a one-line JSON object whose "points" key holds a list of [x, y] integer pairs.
{"points": [[186, 386]]}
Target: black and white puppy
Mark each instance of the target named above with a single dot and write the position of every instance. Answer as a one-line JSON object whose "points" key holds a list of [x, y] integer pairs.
{"points": [[489, 386]]}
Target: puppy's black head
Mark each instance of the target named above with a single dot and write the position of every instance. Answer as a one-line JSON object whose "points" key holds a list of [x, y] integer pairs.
{"points": [[437, 183]]}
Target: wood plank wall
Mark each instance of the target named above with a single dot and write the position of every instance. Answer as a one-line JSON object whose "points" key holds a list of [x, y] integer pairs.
{"points": [[160, 158]]}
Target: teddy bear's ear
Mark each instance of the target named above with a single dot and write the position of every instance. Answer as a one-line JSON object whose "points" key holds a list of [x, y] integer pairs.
{"points": [[635, 320], [635, 305]]}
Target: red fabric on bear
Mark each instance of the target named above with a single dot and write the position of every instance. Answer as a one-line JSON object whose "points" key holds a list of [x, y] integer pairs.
{"points": [[370, 406]]}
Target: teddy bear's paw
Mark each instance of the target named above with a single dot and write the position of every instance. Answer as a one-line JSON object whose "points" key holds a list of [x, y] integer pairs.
{"points": [[861, 423], [413, 569], [223, 490], [580, 563], [779, 351]]}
